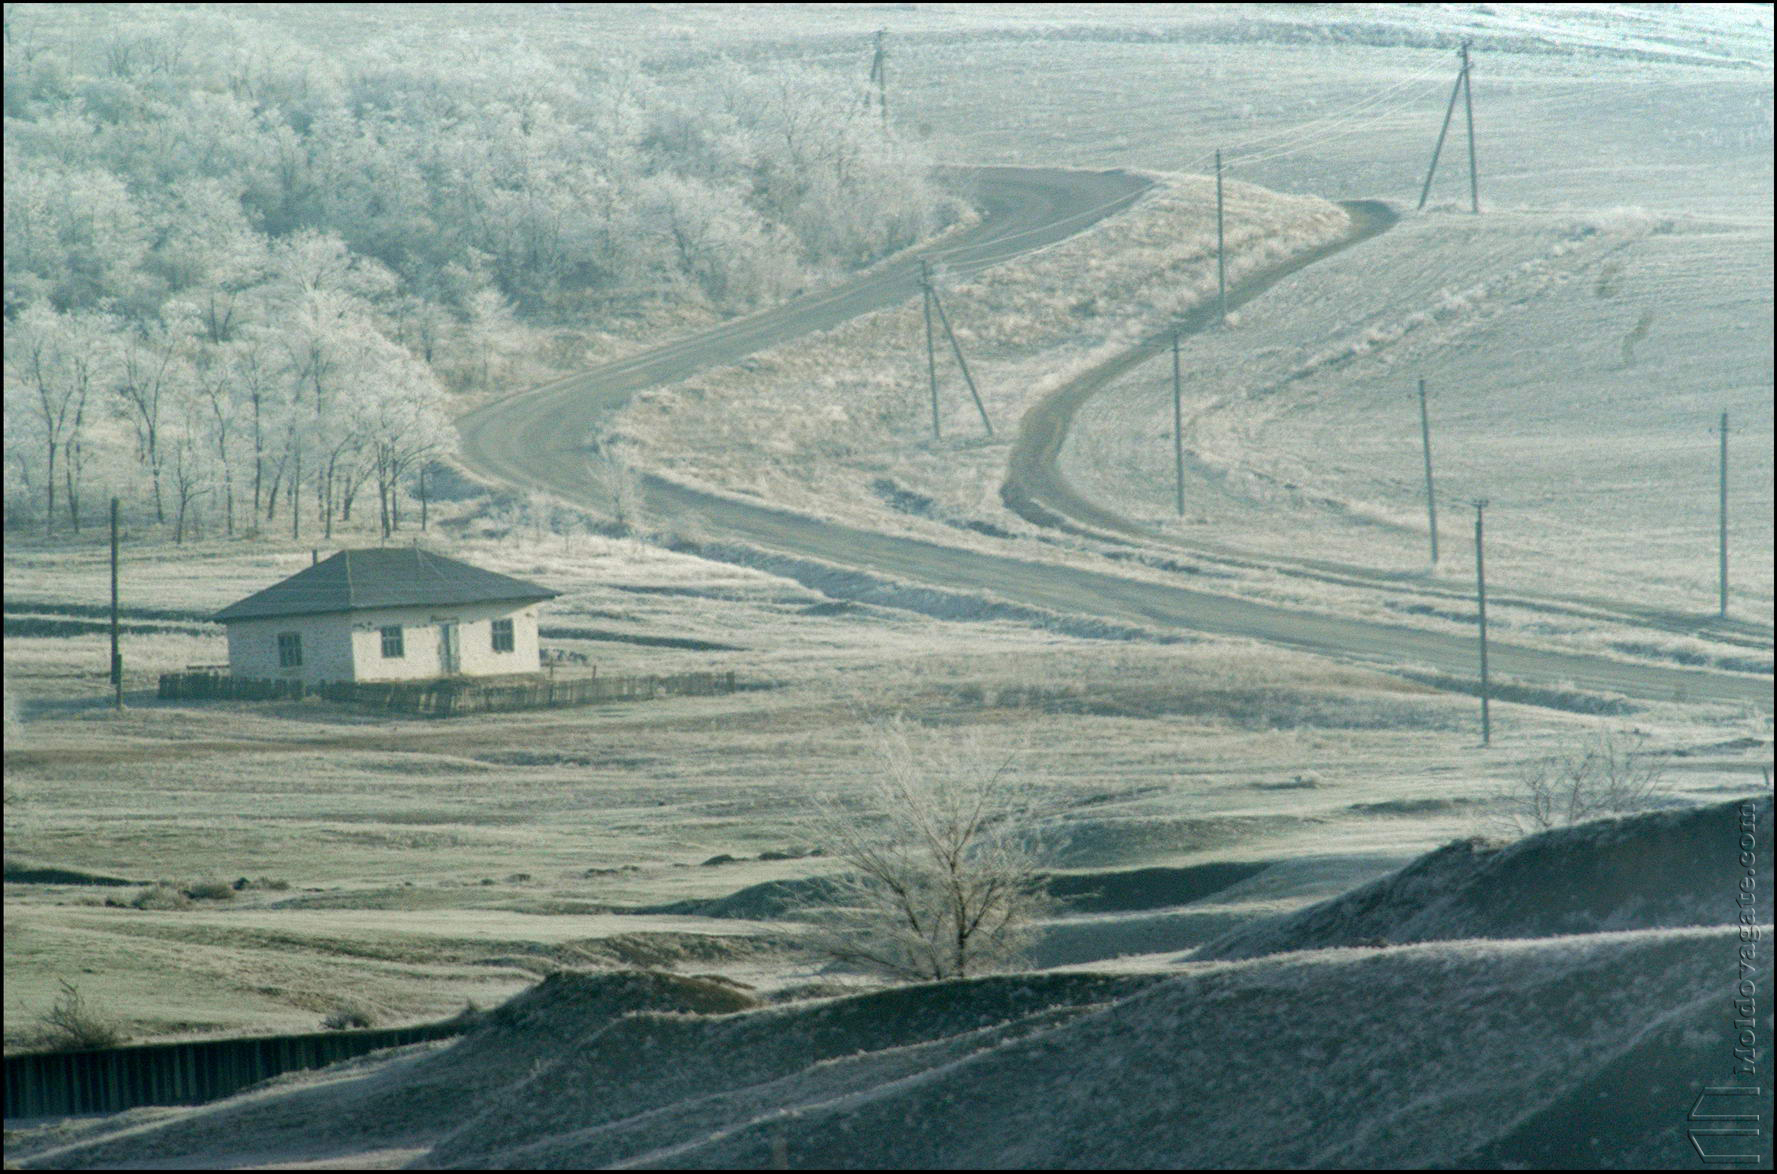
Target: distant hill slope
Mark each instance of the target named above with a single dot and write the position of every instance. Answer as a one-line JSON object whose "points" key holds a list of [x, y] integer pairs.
{"points": [[1661, 868]]}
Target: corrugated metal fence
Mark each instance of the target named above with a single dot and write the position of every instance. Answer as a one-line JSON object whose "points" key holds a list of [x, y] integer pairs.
{"points": [[54, 1084], [451, 697]]}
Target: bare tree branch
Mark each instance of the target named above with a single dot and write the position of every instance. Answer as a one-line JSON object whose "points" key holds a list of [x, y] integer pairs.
{"points": [[943, 878]]}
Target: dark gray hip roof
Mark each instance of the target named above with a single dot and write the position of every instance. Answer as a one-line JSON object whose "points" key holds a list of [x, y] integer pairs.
{"points": [[399, 576]]}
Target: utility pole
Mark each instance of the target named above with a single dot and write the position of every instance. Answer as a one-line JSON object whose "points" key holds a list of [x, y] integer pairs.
{"points": [[957, 349], [116, 654], [1724, 516], [423, 496], [1468, 106], [1431, 501], [1221, 258], [1442, 131], [1481, 600], [1178, 428], [925, 285], [879, 75]]}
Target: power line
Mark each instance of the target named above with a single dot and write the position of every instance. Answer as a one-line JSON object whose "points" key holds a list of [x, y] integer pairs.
{"points": [[1723, 519], [925, 286], [956, 349], [1178, 426], [879, 75], [1431, 501], [1311, 129], [1481, 609], [1349, 128], [1221, 254], [1463, 87]]}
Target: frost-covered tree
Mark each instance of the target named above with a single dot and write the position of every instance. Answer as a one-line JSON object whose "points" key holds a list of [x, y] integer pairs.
{"points": [[56, 364], [615, 477], [191, 471], [943, 877], [1610, 773], [152, 368], [242, 217]]}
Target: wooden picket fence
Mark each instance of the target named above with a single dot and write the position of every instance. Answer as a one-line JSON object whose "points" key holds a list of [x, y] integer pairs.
{"points": [[107, 1080], [448, 698]]}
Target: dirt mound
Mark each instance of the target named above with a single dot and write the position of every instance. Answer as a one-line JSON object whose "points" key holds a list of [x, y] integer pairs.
{"points": [[1427, 1055], [571, 1112], [569, 1003], [762, 902], [1107, 841], [1624, 1116], [1076, 941], [1095, 892], [404, 1097], [1663, 868], [1145, 888], [28, 872], [1553, 1051]]}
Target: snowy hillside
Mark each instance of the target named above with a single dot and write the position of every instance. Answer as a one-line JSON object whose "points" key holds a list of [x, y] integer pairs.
{"points": [[1508, 1047]]}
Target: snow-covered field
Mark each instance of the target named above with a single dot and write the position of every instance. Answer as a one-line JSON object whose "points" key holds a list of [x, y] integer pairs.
{"points": [[820, 425], [1625, 163], [1615, 184], [1596, 449], [1510, 1046], [1580, 340]]}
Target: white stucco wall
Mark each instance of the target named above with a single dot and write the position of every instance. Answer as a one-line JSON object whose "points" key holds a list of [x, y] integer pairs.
{"points": [[475, 641], [326, 652], [347, 646]]}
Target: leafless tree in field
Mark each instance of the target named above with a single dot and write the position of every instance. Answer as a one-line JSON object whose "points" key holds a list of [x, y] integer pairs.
{"points": [[1610, 774], [942, 861], [74, 1025], [621, 485]]}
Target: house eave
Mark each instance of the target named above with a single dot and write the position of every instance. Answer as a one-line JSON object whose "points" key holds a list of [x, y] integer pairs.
{"points": [[223, 616]]}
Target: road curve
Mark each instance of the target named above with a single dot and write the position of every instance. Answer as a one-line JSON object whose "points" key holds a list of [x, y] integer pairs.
{"points": [[537, 440], [1035, 487]]}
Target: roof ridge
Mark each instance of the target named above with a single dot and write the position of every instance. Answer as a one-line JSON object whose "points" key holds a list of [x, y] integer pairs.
{"points": [[433, 567], [393, 577]]}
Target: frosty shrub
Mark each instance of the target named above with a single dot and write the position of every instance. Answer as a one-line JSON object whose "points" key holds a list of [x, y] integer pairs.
{"points": [[161, 897], [1610, 774], [941, 857], [347, 1016], [616, 479], [74, 1025]]}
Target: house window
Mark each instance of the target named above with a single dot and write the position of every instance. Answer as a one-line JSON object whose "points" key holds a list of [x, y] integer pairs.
{"points": [[394, 648], [502, 635], [289, 650]]}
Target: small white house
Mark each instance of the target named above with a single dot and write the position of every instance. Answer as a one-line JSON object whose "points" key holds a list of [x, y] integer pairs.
{"points": [[387, 614]]}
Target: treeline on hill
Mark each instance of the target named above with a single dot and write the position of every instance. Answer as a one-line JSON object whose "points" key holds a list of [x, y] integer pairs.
{"points": [[242, 273]]}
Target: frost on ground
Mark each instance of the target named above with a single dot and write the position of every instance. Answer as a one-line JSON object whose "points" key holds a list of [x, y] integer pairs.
{"points": [[1626, 173], [811, 425], [1589, 878], [1437, 1054], [1508, 1047], [1302, 430]]}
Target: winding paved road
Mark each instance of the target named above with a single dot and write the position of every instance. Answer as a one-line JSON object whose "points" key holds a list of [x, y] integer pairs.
{"points": [[538, 440]]}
